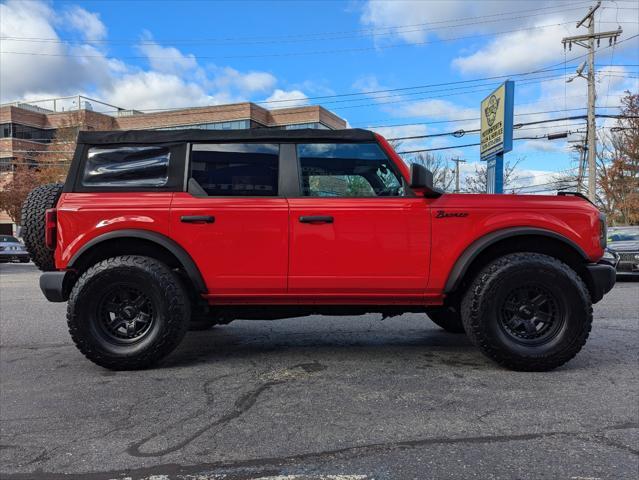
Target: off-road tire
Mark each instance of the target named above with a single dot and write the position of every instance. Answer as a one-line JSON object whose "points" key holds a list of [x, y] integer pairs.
{"points": [[39, 200], [447, 317], [484, 301], [165, 293]]}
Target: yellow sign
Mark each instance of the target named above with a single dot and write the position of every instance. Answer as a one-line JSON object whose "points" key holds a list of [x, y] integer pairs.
{"points": [[492, 121]]}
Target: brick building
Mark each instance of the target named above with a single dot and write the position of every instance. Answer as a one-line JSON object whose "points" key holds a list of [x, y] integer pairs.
{"points": [[29, 130]]}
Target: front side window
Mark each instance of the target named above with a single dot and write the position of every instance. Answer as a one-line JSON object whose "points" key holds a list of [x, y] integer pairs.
{"points": [[130, 166], [347, 170], [236, 169]]}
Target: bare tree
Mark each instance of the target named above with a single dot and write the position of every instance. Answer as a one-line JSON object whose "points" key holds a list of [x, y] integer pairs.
{"points": [[617, 167], [478, 181]]}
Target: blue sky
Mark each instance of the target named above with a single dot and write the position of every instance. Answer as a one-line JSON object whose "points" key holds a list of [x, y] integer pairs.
{"points": [[163, 54]]}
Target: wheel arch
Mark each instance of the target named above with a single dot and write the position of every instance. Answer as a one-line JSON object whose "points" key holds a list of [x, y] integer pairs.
{"points": [[510, 240], [138, 242]]}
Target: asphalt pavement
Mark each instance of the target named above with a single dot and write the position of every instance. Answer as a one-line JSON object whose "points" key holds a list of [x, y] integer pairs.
{"points": [[333, 398]]}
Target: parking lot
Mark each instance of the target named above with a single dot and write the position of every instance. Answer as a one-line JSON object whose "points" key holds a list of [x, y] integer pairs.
{"points": [[336, 398]]}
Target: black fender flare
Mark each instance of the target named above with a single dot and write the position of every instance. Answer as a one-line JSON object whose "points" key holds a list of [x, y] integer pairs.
{"points": [[162, 240], [474, 249]]}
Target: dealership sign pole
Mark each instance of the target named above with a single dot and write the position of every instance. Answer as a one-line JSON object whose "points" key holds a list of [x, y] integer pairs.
{"points": [[496, 133]]}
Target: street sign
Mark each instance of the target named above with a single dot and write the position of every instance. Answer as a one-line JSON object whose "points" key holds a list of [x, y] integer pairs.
{"points": [[496, 133]]}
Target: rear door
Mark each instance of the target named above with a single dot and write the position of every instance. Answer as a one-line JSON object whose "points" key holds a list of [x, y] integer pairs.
{"points": [[356, 230], [232, 220]]}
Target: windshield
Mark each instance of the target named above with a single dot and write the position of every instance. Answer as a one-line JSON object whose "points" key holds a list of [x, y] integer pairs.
{"points": [[8, 238], [630, 235]]}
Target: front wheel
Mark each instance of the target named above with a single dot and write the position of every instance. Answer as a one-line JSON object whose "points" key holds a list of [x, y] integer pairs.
{"points": [[127, 313], [528, 312]]}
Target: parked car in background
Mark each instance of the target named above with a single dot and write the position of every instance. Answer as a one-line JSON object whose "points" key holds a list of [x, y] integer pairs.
{"points": [[624, 242], [11, 250]]}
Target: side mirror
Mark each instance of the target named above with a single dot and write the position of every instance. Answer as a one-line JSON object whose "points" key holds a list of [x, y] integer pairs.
{"points": [[421, 181]]}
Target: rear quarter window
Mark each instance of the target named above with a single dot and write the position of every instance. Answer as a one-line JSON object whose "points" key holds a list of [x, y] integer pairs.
{"points": [[236, 169], [127, 166]]}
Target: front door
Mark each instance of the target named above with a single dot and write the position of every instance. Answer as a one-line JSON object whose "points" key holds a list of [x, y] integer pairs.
{"points": [[232, 220], [356, 231]]}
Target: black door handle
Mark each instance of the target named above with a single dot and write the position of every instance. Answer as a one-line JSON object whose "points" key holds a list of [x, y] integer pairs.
{"points": [[197, 219], [316, 219]]}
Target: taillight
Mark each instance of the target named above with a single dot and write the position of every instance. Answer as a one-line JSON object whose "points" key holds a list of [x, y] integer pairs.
{"points": [[50, 227]]}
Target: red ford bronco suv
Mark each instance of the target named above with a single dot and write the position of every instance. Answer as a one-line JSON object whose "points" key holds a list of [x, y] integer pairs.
{"points": [[154, 232]]}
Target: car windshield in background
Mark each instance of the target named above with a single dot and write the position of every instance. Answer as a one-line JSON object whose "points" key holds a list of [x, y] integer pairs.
{"points": [[630, 235], [8, 238]]}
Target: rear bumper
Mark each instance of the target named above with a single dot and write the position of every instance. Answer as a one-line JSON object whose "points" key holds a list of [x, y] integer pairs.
{"points": [[602, 277], [53, 286]]}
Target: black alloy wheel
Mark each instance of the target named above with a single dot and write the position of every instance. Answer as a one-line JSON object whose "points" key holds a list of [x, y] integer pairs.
{"points": [[531, 315], [126, 314]]}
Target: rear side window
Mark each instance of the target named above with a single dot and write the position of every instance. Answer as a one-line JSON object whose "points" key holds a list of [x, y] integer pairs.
{"points": [[347, 170], [236, 169], [131, 166]]}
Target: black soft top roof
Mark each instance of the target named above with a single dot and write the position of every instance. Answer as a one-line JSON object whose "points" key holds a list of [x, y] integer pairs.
{"points": [[198, 135]]}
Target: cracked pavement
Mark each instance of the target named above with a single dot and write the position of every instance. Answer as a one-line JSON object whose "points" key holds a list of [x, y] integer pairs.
{"points": [[313, 398]]}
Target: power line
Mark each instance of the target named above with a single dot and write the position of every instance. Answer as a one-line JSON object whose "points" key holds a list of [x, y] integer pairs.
{"points": [[295, 54], [363, 94], [459, 120], [517, 126], [324, 35]]}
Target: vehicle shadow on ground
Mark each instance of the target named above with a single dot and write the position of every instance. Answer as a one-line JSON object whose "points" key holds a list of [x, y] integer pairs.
{"points": [[224, 342]]}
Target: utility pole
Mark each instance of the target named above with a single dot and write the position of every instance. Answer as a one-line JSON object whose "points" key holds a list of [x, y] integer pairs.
{"points": [[590, 37], [457, 161]]}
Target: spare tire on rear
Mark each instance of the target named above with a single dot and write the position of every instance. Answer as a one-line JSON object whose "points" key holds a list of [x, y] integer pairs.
{"points": [[39, 200]]}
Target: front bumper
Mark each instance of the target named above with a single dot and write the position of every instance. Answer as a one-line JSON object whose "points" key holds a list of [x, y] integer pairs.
{"points": [[601, 278], [54, 285]]}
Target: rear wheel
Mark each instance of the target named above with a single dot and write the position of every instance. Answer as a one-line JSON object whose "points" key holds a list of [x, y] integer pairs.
{"points": [[127, 313], [528, 311], [39, 200]]}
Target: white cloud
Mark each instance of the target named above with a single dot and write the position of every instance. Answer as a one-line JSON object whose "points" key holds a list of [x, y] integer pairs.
{"points": [[87, 23], [250, 82], [171, 79], [155, 90], [287, 98], [514, 52], [416, 22], [22, 75], [166, 59]]}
